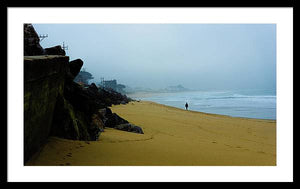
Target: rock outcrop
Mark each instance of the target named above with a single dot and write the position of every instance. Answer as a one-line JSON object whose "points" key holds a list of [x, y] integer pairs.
{"points": [[76, 114], [75, 66], [110, 97], [56, 50], [112, 120], [130, 128], [32, 45], [43, 83], [56, 105], [69, 123]]}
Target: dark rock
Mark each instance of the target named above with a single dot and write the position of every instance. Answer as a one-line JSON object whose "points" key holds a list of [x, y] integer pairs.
{"points": [[104, 112], [93, 89], [75, 66], [90, 99], [113, 120], [108, 111], [84, 100], [112, 97], [56, 105], [67, 123], [32, 45], [43, 82], [137, 129], [130, 128], [97, 123], [72, 124], [56, 50]]}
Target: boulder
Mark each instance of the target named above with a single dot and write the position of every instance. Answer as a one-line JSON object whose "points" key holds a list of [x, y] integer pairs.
{"points": [[112, 97], [113, 120], [104, 112], [67, 123], [93, 89], [130, 128], [108, 111], [75, 66], [56, 50], [97, 123], [72, 124], [84, 100]]}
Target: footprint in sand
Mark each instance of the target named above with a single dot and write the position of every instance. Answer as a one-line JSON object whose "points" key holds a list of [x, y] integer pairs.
{"points": [[261, 152], [80, 146], [249, 130], [228, 145]]}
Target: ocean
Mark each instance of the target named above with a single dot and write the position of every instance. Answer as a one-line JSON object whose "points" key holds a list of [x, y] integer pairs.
{"points": [[259, 104]]}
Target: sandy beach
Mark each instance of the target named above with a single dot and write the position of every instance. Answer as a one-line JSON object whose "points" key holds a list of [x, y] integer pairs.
{"points": [[173, 137]]}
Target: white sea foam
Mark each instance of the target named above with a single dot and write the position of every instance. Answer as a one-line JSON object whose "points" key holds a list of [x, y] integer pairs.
{"points": [[251, 103]]}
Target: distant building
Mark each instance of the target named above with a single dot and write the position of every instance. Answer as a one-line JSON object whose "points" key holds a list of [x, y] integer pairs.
{"points": [[112, 84]]}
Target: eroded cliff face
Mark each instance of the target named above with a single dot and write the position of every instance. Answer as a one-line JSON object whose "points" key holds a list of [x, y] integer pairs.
{"points": [[43, 81], [47, 108], [45, 74], [56, 105]]}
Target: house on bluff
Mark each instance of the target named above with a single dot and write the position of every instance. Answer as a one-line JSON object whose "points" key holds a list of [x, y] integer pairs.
{"points": [[112, 84]]}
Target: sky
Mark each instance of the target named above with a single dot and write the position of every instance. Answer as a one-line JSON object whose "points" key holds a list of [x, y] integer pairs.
{"points": [[197, 56]]}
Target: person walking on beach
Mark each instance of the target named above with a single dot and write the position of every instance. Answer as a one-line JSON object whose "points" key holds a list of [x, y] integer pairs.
{"points": [[186, 105]]}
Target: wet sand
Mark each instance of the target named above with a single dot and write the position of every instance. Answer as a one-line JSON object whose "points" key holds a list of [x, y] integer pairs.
{"points": [[172, 137]]}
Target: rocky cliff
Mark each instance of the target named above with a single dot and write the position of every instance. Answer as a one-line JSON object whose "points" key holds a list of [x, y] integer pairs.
{"points": [[43, 82], [56, 105]]}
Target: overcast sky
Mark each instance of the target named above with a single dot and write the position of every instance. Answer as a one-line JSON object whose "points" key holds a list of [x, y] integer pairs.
{"points": [[197, 56]]}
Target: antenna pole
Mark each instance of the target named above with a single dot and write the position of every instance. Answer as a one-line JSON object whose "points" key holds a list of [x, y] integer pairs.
{"points": [[43, 37], [64, 47]]}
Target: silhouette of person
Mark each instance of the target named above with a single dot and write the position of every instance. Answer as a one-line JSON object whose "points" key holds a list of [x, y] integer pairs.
{"points": [[186, 105]]}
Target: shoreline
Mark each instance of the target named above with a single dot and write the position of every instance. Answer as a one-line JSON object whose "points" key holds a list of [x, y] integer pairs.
{"points": [[206, 113], [138, 96], [173, 137]]}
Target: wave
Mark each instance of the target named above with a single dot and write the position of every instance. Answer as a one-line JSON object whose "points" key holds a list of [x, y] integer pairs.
{"points": [[233, 103], [237, 96]]}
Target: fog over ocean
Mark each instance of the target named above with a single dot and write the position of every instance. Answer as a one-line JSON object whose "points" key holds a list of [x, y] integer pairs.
{"points": [[259, 104], [198, 56]]}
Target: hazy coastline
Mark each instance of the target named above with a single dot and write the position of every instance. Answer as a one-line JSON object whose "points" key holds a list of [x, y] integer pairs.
{"points": [[76, 111], [257, 104]]}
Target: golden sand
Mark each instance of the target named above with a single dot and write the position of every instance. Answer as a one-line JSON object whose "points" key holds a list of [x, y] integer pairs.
{"points": [[172, 137]]}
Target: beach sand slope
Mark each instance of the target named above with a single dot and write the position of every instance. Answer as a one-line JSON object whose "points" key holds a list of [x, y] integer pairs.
{"points": [[172, 137]]}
